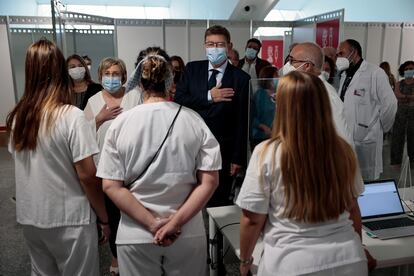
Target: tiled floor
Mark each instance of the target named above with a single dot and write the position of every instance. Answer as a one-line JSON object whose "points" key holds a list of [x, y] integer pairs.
{"points": [[13, 254]]}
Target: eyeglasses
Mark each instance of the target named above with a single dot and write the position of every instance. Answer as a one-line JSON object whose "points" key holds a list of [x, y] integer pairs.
{"points": [[292, 60], [210, 44]]}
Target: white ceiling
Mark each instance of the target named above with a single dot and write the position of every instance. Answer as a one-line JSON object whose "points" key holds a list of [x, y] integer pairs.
{"points": [[372, 10]]}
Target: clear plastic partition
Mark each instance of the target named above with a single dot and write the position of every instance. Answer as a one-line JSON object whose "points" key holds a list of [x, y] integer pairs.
{"points": [[262, 108]]}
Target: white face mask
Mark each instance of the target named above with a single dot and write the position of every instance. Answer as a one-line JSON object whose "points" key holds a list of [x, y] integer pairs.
{"points": [[89, 67], [325, 75], [342, 63], [287, 68], [77, 73]]}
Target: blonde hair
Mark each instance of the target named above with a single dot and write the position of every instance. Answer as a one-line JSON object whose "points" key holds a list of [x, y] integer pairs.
{"points": [[107, 63], [318, 167], [46, 91]]}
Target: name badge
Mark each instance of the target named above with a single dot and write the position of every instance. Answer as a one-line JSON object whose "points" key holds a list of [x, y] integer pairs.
{"points": [[359, 92]]}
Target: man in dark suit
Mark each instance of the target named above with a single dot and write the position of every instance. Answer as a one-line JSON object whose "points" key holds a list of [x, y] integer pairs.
{"points": [[251, 63], [218, 91]]}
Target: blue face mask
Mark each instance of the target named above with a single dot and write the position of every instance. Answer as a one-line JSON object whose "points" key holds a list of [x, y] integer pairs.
{"points": [[111, 84], [216, 56], [250, 53], [408, 74]]}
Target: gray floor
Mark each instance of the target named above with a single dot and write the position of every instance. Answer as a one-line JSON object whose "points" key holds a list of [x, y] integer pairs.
{"points": [[13, 254]]}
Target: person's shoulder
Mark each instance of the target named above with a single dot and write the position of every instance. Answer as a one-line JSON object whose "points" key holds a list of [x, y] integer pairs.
{"points": [[70, 115], [95, 96], [94, 87], [196, 63], [238, 72], [191, 113], [263, 62]]}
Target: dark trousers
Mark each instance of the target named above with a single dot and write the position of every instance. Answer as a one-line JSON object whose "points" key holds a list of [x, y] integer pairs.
{"points": [[221, 196], [403, 127], [114, 216]]}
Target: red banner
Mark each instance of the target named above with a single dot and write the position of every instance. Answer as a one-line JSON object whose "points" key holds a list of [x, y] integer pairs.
{"points": [[327, 33], [272, 51]]}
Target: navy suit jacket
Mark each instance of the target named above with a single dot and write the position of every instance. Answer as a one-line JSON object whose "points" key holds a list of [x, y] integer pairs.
{"points": [[228, 121]]}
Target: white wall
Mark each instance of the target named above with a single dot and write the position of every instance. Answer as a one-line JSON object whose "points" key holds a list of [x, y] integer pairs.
{"points": [[390, 42], [364, 10], [7, 97]]}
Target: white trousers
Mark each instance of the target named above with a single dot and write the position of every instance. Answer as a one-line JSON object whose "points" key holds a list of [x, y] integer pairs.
{"points": [[186, 256], [66, 251], [354, 269]]}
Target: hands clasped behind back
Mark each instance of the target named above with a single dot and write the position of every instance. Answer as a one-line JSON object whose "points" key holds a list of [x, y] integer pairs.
{"points": [[221, 94], [165, 231]]}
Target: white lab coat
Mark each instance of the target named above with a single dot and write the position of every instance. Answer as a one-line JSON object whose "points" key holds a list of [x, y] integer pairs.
{"points": [[338, 115], [370, 107]]}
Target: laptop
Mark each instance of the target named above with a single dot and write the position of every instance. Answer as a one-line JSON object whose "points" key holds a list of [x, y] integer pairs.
{"points": [[382, 211]]}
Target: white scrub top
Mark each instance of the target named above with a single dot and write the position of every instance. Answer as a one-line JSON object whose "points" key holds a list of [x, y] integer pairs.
{"points": [[94, 106], [48, 191], [131, 142], [291, 247]]}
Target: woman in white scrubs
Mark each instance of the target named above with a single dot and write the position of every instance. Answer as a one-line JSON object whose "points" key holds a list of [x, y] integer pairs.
{"points": [[57, 193], [160, 192], [101, 110], [300, 190]]}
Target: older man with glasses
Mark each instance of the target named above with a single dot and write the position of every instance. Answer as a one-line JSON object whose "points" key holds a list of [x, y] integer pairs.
{"points": [[308, 57], [218, 91]]}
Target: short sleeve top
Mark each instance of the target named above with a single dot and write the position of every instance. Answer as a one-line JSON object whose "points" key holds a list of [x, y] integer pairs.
{"points": [[318, 246], [130, 143], [48, 191]]}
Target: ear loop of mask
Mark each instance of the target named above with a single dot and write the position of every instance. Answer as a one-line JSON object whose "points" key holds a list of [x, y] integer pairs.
{"points": [[135, 79], [350, 55]]}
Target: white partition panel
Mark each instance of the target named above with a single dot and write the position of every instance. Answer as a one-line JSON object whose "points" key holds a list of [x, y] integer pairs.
{"points": [[84, 42], [287, 41], [20, 40], [239, 32], [132, 39], [374, 43], [196, 40], [357, 31], [175, 40], [304, 33], [7, 95], [407, 43], [392, 38]]}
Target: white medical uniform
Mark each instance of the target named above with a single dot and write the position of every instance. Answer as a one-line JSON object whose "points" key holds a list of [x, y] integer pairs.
{"points": [[370, 107], [338, 114], [51, 201], [130, 143], [291, 247], [94, 106]]}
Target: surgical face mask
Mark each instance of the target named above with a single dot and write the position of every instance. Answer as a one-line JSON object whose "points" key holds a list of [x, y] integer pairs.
{"points": [[111, 84], [325, 75], [408, 74], [251, 53], [216, 55], [77, 73]]}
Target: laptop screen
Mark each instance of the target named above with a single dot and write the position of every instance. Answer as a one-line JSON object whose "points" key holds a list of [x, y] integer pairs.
{"points": [[380, 198]]}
